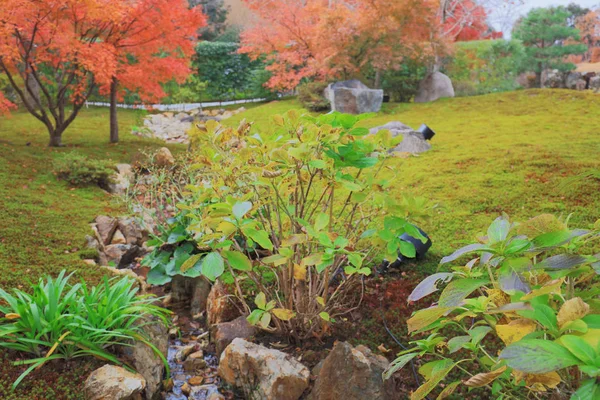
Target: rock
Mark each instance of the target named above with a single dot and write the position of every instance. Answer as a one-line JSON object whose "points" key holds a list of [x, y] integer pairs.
{"points": [[114, 383], [197, 355], [164, 158], [553, 79], [263, 373], [193, 365], [220, 305], [183, 353], [573, 79], [412, 142], [215, 396], [118, 238], [435, 86], [106, 227], [595, 83], [186, 389], [144, 359], [121, 180], [134, 233], [191, 291], [205, 392], [90, 262], [353, 97], [223, 334], [196, 380], [123, 255], [352, 374]]}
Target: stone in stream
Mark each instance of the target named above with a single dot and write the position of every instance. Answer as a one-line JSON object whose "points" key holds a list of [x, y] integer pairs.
{"points": [[223, 334], [352, 374], [220, 305], [263, 373], [114, 383]]}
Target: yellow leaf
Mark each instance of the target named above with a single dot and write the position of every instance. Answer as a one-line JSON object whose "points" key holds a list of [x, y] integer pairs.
{"points": [[278, 119], [294, 239], [12, 316], [515, 330], [313, 259], [299, 272], [226, 227], [321, 301], [448, 390], [550, 287], [592, 337], [283, 313], [190, 262], [484, 378], [571, 310], [498, 297], [538, 382]]}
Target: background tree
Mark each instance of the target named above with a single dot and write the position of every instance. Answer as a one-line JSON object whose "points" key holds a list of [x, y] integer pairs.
{"points": [[589, 30], [153, 43], [216, 12], [56, 47], [545, 33]]}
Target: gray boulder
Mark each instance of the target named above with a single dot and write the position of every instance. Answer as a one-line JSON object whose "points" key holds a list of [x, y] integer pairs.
{"points": [[595, 83], [353, 97], [553, 79], [435, 86], [412, 142], [121, 180], [575, 81], [352, 374], [114, 383]]}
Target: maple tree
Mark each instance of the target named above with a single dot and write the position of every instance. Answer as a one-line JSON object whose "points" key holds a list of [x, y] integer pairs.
{"points": [[463, 20], [55, 53], [322, 40], [589, 31]]}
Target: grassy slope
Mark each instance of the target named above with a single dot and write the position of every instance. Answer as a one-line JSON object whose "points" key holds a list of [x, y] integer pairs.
{"points": [[498, 153], [43, 220]]}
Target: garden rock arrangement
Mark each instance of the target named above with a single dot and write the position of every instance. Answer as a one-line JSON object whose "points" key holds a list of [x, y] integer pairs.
{"points": [[117, 240], [412, 142], [353, 97], [172, 128], [435, 86], [555, 79], [263, 373]]}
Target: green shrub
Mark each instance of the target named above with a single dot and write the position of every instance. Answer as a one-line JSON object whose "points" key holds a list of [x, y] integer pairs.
{"points": [[311, 96], [293, 213], [402, 84], [79, 170], [63, 321], [522, 316], [486, 66]]}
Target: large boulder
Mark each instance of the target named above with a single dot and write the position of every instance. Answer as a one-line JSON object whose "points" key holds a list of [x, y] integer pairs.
{"points": [[575, 81], [412, 142], [352, 374], [106, 227], [133, 231], [114, 383], [123, 255], [224, 333], [435, 86], [595, 83], [353, 97], [121, 180], [145, 360], [164, 158], [263, 373]]}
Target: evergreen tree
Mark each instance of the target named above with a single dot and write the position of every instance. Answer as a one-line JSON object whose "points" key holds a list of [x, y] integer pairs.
{"points": [[216, 11], [547, 37]]}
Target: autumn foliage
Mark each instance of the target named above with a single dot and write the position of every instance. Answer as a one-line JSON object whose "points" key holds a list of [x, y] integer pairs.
{"points": [[55, 53]]}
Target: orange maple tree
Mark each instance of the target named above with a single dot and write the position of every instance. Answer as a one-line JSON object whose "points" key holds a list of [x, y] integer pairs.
{"points": [[589, 31], [326, 39], [55, 53]]}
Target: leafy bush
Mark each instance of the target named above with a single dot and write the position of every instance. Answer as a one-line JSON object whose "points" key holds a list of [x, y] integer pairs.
{"points": [[523, 315], [402, 84], [80, 171], [291, 217], [311, 96], [487, 66], [63, 321]]}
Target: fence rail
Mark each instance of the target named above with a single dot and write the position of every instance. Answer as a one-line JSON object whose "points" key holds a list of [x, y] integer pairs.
{"points": [[175, 107]]}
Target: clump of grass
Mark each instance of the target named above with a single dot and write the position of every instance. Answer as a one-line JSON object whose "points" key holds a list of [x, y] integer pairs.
{"points": [[79, 170], [60, 321]]}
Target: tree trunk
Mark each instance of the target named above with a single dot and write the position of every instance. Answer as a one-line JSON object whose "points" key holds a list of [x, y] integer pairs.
{"points": [[114, 125], [55, 138], [377, 83]]}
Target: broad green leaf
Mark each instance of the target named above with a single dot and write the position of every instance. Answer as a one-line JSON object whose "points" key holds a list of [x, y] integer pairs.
{"points": [[260, 237], [213, 266], [407, 249], [321, 221], [579, 348], [429, 285], [255, 316], [592, 321], [325, 316], [542, 314], [238, 260], [498, 230], [537, 356], [158, 276], [562, 261], [241, 208], [552, 239], [457, 343], [478, 333], [431, 384], [320, 164], [589, 390], [265, 320], [458, 290], [398, 364], [355, 259]]}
